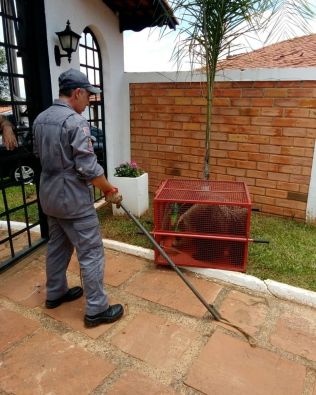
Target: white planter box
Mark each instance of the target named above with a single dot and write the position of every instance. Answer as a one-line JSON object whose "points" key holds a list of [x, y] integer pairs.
{"points": [[135, 194]]}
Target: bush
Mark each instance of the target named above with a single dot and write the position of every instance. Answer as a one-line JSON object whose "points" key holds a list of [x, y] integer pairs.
{"points": [[128, 170]]}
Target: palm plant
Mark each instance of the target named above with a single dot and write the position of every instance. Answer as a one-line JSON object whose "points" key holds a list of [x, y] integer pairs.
{"points": [[209, 30]]}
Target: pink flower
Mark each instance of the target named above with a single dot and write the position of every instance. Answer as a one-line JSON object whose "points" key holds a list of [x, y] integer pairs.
{"points": [[133, 164]]}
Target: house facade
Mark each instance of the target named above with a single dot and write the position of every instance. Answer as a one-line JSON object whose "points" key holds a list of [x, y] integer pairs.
{"points": [[29, 70]]}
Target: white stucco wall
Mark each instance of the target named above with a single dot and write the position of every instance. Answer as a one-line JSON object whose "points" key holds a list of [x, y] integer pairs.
{"points": [[105, 26]]}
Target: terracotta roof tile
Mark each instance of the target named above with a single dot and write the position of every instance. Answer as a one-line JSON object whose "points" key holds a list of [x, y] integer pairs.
{"points": [[297, 52]]}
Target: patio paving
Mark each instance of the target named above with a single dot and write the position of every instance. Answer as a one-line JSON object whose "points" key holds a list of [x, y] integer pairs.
{"points": [[166, 343]]}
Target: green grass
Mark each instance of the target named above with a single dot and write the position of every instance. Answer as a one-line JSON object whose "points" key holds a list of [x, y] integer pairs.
{"points": [[14, 196], [290, 257]]}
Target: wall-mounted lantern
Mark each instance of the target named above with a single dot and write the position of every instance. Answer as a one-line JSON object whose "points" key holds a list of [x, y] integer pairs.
{"points": [[69, 42]]}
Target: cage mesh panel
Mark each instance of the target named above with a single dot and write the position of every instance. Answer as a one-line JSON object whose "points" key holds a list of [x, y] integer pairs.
{"points": [[200, 196], [199, 190], [202, 219], [196, 208], [189, 251]]}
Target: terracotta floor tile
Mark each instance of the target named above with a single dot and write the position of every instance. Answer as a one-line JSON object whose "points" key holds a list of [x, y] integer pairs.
{"points": [[74, 265], [46, 364], [245, 310], [72, 315], [155, 340], [295, 331], [120, 267], [14, 327], [166, 288], [228, 365], [26, 286], [132, 383]]}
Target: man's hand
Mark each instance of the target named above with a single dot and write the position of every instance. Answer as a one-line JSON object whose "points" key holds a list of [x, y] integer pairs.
{"points": [[9, 139], [114, 197]]}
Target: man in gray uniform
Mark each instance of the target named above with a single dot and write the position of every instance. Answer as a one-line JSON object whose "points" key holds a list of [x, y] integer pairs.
{"points": [[63, 142]]}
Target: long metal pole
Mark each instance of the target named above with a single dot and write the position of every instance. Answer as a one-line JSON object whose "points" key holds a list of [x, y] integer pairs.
{"points": [[209, 307]]}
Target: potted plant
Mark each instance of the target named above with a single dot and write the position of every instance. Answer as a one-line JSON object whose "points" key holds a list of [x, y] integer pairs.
{"points": [[132, 183]]}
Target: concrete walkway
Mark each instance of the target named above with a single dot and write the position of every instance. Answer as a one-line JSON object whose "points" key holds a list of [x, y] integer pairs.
{"points": [[166, 343]]}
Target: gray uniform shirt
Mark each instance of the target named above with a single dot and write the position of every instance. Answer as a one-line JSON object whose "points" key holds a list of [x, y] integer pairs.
{"points": [[63, 142]]}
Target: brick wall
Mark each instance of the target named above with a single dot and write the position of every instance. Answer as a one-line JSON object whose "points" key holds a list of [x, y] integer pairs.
{"points": [[263, 133]]}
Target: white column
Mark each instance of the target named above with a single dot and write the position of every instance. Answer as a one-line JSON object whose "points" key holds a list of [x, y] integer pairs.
{"points": [[311, 200]]}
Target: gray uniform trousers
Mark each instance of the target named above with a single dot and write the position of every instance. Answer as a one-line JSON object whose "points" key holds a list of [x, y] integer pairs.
{"points": [[83, 234]]}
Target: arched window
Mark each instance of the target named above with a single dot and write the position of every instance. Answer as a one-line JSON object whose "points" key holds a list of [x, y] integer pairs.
{"points": [[91, 65]]}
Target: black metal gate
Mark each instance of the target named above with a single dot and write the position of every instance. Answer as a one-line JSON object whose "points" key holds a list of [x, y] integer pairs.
{"points": [[25, 90]]}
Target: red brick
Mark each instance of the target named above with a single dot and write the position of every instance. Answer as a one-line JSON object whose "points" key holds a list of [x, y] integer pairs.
{"points": [[189, 173], [289, 169], [247, 180], [166, 100], [252, 92], [256, 190], [262, 102], [300, 142], [271, 112], [266, 183], [276, 193], [262, 121], [238, 137], [270, 149], [272, 210], [294, 151], [278, 177], [269, 131], [243, 164], [294, 132], [249, 147], [257, 174], [242, 102], [275, 92], [291, 204], [299, 179], [238, 155], [236, 172], [267, 166], [296, 112], [228, 92], [300, 92], [264, 200], [219, 101]]}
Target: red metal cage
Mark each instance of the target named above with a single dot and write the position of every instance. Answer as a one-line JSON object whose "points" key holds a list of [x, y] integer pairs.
{"points": [[203, 223]]}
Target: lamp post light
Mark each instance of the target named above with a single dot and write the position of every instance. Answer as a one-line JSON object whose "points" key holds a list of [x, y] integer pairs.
{"points": [[69, 42]]}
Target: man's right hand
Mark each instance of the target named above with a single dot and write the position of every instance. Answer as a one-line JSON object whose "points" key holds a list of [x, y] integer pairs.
{"points": [[114, 197]]}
